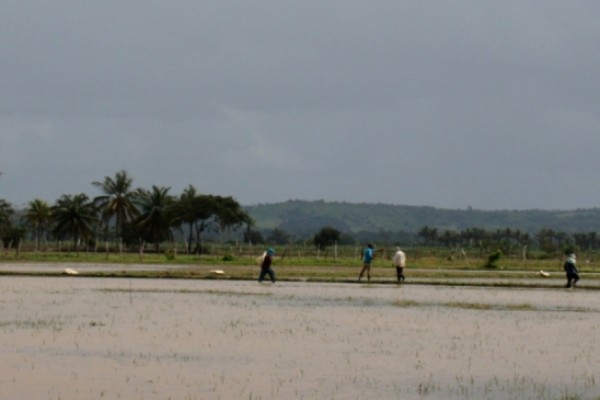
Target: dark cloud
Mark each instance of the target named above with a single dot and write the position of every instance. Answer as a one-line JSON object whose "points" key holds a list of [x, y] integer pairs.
{"points": [[451, 104]]}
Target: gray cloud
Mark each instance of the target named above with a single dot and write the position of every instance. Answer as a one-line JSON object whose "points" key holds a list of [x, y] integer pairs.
{"points": [[451, 104]]}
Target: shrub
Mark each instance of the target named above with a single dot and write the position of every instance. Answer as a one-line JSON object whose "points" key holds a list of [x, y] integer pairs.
{"points": [[492, 260], [170, 254]]}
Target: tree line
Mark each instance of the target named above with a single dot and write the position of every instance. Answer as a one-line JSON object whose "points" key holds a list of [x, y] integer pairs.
{"points": [[506, 241], [509, 241], [139, 217], [132, 217]]}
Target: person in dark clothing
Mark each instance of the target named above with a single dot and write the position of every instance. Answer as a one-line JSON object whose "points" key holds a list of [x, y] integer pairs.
{"points": [[571, 271], [265, 267]]}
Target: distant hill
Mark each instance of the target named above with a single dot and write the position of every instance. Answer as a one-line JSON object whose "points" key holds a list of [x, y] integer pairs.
{"points": [[304, 218]]}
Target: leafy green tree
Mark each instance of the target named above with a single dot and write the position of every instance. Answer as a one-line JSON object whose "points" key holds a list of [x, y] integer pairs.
{"points": [[581, 240], [253, 236], [38, 214], [185, 213], [586, 241], [279, 236], [118, 200], [203, 212], [8, 232], [326, 237], [549, 240], [156, 217], [592, 240], [74, 216], [429, 235], [473, 236], [13, 235], [522, 238], [230, 214], [6, 212], [449, 238]]}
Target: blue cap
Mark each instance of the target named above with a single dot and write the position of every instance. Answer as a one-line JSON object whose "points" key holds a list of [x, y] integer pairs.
{"points": [[270, 251]]}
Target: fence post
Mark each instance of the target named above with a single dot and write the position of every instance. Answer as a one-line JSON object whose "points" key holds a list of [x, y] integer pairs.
{"points": [[335, 250]]}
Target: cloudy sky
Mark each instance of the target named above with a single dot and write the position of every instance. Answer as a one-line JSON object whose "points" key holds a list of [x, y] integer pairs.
{"points": [[452, 104]]}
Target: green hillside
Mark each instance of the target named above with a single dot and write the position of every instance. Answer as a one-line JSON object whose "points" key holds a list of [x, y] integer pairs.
{"points": [[306, 217]]}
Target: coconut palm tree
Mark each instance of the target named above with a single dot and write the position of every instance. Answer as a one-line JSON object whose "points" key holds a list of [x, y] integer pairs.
{"points": [[38, 214], [118, 200], [74, 216], [156, 217]]}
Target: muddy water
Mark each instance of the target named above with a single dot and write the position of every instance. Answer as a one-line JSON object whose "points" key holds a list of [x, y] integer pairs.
{"points": [[78, 338]]}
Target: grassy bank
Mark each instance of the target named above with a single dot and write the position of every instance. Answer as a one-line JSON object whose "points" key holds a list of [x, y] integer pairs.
{"points": [[422, 269], [426, 259]]}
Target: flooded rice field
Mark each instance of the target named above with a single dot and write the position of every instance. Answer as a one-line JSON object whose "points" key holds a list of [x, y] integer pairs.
{"points": [[92, 338]]}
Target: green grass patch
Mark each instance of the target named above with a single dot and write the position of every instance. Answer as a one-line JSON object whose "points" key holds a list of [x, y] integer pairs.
{"points": [[422, 268], [484, 306]]}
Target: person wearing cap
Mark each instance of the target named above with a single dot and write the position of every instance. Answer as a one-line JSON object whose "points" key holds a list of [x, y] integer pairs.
{"points": [[571, 271], [398, 261], [265, 266]]}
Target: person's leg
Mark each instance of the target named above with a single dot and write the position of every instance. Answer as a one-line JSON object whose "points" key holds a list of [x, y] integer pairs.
{"points": [[398, 274], [369, 273], [272, 275], [362, 271], [401, 274], [262, 274], [569, 279], [575, 279]]}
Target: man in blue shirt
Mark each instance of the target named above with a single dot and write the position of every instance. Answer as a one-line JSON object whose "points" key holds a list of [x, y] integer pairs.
{"points": [[368, 256]]}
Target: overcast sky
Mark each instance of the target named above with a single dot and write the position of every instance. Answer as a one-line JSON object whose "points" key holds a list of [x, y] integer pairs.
{"points": [[451, 104]]}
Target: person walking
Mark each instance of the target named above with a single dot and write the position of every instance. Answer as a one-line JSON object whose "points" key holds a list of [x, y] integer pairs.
{"points": [[265, 266], [571, 271], [398, 261], [368, 256]]}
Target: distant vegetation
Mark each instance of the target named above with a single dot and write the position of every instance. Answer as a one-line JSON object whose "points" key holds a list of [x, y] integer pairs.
{"points": [[138, 219], [509, 231], [304, 218], [131, 217]]}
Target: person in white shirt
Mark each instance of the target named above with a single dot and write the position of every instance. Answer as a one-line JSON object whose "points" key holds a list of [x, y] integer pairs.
{"points": [[398, 261]]}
